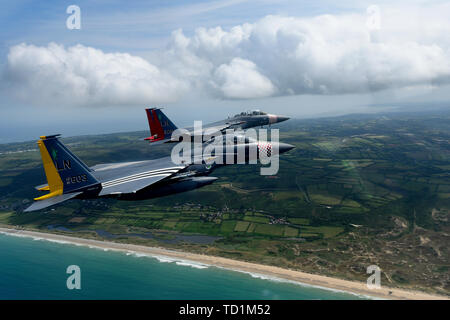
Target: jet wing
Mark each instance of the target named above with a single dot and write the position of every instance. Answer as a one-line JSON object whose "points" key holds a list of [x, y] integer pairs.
{"points": [[109, 166], [222, 127], [129, 177], [209, 130], [217, 128], [116, 187], [38, 205]]}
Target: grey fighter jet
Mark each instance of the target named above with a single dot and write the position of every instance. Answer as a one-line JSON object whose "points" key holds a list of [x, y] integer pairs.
{"points": [[161, 128], [69, 178]]}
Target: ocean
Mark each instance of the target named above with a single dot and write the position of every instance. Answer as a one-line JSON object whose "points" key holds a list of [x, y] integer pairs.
{"points": [[33, 268]]}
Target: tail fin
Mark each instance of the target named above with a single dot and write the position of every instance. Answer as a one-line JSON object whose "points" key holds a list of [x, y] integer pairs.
{"points": [[64, 171], [161, 128]]}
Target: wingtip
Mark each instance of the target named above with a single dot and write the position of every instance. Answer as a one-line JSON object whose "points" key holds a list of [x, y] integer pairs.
{"points": [[30, 208]]}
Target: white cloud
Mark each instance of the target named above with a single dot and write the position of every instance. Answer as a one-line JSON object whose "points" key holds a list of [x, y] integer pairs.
{"points": [[82, 75], [276, 55], [240, 79], [322, 55]]}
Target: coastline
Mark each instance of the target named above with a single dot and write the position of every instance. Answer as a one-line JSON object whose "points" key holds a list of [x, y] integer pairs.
{"points": [[263, 271]]}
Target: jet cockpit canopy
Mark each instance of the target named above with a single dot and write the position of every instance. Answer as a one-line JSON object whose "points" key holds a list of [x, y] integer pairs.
{"points": [[255, 112]]}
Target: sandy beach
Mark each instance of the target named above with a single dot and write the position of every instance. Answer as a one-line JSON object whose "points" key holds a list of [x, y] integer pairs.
{"points": [[355, 287]]}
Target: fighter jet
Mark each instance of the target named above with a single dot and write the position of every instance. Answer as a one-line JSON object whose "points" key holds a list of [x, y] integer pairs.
{"points": [[161, 128], [69, 178]]}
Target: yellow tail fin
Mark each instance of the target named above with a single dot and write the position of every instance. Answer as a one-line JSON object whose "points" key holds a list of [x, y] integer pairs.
{"points": [[54, 181]]}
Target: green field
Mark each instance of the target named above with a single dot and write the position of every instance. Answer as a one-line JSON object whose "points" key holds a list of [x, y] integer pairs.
{"points": [[357, 190]]}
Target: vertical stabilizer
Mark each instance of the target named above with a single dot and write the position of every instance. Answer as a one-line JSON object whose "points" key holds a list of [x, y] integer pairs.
{"points": [[65, 172], [161, 128]]}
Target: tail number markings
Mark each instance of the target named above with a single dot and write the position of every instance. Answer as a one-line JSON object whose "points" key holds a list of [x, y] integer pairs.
{"points": [[76, 179]]}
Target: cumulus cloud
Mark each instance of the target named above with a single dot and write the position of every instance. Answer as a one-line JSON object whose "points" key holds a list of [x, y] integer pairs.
{"points": [[240, 79], [82, 75], [276, 55], [321, 55]]}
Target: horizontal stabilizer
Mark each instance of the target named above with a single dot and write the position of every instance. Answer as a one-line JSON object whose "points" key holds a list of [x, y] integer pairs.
{"points": [[38, 205], [43, 187], [156, 142]]}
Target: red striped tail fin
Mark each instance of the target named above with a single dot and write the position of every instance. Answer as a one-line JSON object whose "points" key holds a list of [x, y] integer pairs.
{"points": [[156, 130]]}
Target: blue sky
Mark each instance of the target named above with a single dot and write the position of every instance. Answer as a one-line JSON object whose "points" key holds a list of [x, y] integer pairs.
{"points": [[300, 58], [136, 26]]}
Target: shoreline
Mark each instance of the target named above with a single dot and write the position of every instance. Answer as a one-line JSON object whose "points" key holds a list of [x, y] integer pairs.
{"points": [[263, 271]]}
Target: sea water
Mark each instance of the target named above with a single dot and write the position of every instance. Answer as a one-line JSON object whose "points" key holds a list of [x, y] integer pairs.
{"points": [[34, 268]]}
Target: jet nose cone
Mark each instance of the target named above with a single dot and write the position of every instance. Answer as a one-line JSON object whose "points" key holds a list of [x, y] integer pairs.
{"points": [[284, 147], [282, 118]]}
